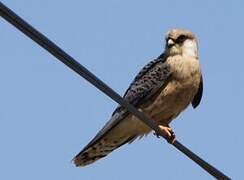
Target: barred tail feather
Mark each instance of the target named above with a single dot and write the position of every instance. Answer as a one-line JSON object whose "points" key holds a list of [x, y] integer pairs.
{"points": [[99, 150]]}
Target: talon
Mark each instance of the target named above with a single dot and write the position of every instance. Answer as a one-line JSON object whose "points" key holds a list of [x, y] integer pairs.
{"points": [[171, 139], [156, 134], [170, 135]]}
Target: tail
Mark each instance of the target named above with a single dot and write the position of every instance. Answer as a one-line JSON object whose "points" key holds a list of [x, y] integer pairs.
{"points": [[100, 149]]}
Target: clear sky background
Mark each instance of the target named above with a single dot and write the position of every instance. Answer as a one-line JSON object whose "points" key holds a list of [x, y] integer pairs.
{"points": [[48, 113]]}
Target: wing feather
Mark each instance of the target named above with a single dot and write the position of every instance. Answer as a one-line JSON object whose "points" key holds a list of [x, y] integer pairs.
{"points": [[197, 98]]}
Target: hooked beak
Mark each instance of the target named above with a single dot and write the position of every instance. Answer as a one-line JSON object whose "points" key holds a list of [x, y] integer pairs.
{"points": [[170, 42]]}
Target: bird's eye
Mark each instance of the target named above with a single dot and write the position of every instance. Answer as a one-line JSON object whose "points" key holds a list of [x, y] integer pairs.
{"points": [[181, 39]]}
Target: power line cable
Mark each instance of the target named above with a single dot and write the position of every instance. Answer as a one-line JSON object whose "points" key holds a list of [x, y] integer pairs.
{"points": [[51, 47]]}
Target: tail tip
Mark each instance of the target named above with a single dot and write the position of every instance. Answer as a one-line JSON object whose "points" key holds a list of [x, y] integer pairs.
{"points": [[77, 162]]}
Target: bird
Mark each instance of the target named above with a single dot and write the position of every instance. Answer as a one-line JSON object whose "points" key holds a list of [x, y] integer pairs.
{"points": [[163, 88]]}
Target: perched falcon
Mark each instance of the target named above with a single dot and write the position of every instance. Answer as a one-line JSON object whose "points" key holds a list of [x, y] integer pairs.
{"points": [[162, 90]]}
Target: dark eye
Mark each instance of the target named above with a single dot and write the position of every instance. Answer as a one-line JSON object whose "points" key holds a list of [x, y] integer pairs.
{"points": [[181, 39]]}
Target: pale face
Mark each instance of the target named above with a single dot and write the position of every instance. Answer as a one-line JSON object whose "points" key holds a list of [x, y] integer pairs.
{"points": [[189, 48], [181, 43]]}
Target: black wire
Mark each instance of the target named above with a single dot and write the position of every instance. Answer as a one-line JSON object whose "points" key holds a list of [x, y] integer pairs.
{"points": [[44, 42]]}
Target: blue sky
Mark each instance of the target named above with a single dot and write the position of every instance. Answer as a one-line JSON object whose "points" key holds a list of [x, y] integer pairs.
{"points": [[48, 113]]}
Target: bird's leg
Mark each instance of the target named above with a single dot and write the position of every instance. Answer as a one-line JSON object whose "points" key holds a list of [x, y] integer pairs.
{"points": [[168, 132]]}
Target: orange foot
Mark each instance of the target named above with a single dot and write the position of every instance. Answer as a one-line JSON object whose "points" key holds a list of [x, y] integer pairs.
{"points": [[168, 132]]}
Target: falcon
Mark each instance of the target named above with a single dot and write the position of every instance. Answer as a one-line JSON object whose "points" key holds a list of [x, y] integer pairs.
{"points": [[162, 90]]}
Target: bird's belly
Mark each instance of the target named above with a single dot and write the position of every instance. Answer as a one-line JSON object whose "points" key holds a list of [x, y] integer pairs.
{"points": [[172, 100], [168, 104]]}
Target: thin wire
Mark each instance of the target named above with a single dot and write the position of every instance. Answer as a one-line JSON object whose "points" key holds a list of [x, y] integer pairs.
{"points": [[44, 42]]}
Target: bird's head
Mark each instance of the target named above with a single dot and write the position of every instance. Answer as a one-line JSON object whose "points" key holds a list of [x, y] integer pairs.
{"points": [[181, 42]]}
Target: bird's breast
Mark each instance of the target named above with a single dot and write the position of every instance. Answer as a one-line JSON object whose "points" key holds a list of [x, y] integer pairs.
{"points": [[179, 91]]}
